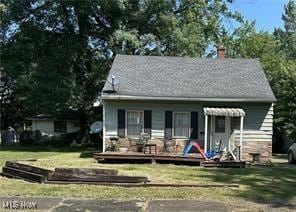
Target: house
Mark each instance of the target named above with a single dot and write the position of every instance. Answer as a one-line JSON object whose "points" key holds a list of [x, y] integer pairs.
{"points": [[219, 102], [49, 125]]}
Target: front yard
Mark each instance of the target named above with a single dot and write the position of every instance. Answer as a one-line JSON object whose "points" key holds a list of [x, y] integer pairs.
{"points": [[276, 183]]}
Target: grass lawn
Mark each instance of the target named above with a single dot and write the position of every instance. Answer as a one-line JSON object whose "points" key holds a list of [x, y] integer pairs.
{"points": [[276, 183]]}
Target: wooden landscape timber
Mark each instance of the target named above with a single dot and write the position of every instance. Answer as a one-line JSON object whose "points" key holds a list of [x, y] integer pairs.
{"points": [[147, 184], [24, 174], [86, 171], [35, 174], [104, 177], [15, 177], [97, 178], [224, 164], [28, 168]]}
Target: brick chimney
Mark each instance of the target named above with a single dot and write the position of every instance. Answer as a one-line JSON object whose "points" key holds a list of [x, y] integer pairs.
{"points": [[220, 52]]}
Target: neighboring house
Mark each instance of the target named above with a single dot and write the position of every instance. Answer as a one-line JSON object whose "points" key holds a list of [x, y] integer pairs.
{"points": [[51, 126], [184, 98]]}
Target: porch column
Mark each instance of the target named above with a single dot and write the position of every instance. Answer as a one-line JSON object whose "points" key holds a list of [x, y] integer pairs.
{"points": [[241, 137], [211, 131], [206, 134], [104, 130]]}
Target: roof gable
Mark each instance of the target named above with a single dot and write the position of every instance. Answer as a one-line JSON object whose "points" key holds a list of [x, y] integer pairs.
{"points": [[184, 77]]}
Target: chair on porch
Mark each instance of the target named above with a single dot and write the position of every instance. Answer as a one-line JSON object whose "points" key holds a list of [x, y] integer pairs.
{"points": [[133, 144], [169, 146], [145, 137]]}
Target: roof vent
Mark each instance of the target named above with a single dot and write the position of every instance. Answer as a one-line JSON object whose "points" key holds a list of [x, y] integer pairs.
{"points": [[113, 81]]}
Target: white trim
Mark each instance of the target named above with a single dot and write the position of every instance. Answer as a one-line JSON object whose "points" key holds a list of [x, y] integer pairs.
{"points": [[206, 134], [127, 97], [241, 137], [211, 131], [173, 126], [104, 128], [126, 111], [232, 112]]}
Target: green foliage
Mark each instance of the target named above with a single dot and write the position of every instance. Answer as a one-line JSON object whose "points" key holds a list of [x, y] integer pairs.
{"points": [[287, 37], [277, 56], [58, 52], [55, 54]]}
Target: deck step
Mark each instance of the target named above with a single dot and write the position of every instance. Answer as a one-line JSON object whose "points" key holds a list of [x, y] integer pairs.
{"points": [[27, 168], [23, 174]]}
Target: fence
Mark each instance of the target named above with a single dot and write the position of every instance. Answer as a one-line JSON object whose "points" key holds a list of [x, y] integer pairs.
{"points": [[9, 137]]}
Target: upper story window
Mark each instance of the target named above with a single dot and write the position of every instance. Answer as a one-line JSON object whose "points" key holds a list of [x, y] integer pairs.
{"points": [[181, 121], [135, 122]]}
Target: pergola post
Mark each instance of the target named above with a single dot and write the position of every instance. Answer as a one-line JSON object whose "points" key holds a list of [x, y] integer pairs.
{"points": [[211, 131], [206, 133], [104, 129], [241, 137]]}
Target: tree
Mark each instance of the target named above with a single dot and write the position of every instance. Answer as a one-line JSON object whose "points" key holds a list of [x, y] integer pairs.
{"points": [[58, 52], [287, 37], [277, 56]]}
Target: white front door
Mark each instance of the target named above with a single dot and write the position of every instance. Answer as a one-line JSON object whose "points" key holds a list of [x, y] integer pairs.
{"points": [[221, 133]]}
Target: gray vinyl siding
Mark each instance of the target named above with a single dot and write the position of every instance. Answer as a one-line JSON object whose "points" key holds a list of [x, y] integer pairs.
{"points": [[259, 116], [254, 135], [158, 114]]}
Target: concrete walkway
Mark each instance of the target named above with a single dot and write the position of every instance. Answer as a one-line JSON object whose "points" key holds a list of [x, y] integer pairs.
{"points": [[64, 205]]}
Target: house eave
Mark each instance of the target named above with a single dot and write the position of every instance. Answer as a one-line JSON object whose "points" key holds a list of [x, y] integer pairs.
{"points": [[127, 97]]}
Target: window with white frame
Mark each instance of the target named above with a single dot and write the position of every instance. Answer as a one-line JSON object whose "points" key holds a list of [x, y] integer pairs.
{"points": [[134, 123], [181, 124]]}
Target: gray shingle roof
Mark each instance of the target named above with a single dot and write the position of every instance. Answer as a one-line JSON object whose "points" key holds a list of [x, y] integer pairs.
{"points": [[184, 77]]}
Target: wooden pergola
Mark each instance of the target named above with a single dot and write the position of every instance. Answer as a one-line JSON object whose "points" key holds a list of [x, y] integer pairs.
{"points": [[230, 112]]}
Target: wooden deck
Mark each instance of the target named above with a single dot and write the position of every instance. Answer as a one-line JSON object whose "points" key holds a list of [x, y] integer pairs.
{"points": [[137, 157], [224, 164]]}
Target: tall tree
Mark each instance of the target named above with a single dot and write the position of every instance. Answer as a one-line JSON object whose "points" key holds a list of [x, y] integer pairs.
{"points": [[277, 56], [286, 85], [58, 52], [287, 37]]}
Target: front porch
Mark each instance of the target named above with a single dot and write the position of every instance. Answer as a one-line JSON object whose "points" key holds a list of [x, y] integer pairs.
{"points": [[219, 137], [222, 129]]}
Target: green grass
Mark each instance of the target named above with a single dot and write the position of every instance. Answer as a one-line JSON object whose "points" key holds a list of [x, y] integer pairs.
{"points": [[257, 184]]}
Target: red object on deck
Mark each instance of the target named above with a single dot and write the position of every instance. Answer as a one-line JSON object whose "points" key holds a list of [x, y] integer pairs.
{"points": [[200, 150]]}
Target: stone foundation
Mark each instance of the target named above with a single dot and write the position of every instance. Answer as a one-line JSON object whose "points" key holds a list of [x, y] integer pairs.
{"points": [[130, 144], [262, 147]]}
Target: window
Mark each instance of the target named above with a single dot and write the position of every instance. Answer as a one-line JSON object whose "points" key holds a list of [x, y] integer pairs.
{"points": [[60, 126], [220, 124], [181, 124], [235, 123], [134, 123]]}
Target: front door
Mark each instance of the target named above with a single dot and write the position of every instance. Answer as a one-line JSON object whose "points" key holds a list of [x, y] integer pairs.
{"points": [[221, 133]]}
